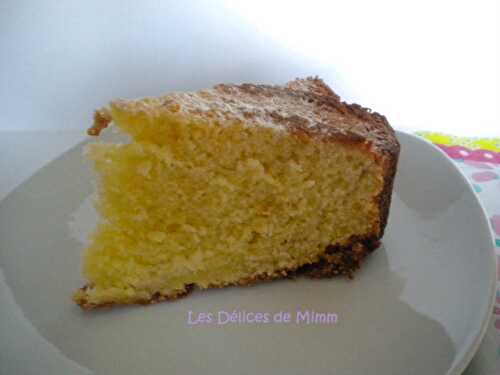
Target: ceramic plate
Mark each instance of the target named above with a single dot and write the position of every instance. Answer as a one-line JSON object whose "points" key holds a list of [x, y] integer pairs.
{"points": [[419, 305]]}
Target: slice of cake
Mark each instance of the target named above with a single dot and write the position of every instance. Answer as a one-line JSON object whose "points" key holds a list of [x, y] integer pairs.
{"points": [[233, 185]]}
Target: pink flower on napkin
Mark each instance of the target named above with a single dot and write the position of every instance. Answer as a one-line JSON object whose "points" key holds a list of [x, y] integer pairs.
{"points": [[484, 176], [484, 156]]}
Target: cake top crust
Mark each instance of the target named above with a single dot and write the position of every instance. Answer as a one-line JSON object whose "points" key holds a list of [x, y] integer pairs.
{"points": [[303, 106]]}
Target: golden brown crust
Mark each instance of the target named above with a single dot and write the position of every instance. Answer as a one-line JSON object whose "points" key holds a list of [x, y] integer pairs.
{"points": [[156, 298], [384, 199], [102, 118], [307, 106], [336, 261]]}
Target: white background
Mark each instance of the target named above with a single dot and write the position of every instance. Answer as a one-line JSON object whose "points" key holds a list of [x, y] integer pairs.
{"points": [[426, 65]]}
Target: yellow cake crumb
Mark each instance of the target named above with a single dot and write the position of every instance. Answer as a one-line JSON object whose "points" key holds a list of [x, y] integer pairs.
{"points": [[194, 200]]}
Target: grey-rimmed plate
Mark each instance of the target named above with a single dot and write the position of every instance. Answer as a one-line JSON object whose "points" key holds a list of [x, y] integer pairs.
{"points": [[419, 305]]}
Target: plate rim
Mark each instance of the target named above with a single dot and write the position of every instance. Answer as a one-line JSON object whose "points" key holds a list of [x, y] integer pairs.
{"points": [[459, 365]]}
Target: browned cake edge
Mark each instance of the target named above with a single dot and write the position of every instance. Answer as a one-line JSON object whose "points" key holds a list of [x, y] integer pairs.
{"points": [[336, 261]]}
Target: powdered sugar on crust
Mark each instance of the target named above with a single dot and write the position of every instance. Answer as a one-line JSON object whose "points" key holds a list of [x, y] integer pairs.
{"points": [[303, 106]]}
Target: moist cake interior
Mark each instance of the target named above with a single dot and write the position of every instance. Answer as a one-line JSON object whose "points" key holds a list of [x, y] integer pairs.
{"points": [[188, 202]]}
